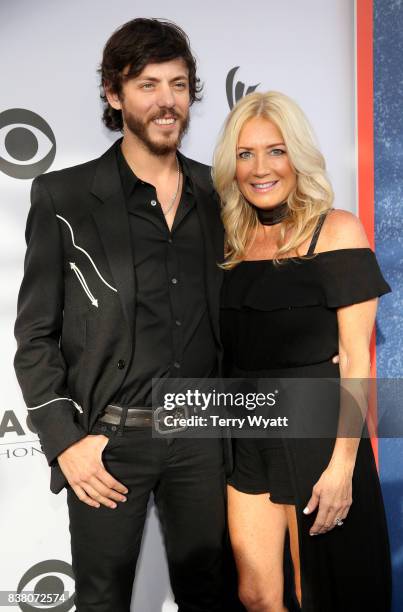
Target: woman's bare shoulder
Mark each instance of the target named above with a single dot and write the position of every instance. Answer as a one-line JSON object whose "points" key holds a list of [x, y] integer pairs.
{"points": [[342, 230]]}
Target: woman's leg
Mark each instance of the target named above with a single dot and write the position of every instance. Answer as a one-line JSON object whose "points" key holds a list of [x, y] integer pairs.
{"points": [[294, 546], [257, 530]]}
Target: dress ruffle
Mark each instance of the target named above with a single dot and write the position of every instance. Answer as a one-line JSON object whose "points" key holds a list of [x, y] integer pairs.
{"points": [[332, 279]]}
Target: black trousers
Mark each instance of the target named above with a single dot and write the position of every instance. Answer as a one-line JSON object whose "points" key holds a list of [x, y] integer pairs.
{"points": [[188, 481]]}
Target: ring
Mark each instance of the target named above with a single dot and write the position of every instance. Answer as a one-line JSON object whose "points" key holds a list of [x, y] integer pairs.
{"points": [[338, 522]]}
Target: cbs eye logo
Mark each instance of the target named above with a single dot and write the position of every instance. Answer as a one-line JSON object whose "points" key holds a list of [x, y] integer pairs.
{"points": [[27, 144], [48, 578]]}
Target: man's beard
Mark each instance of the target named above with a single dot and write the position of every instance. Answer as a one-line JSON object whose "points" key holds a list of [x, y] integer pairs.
{"points": [[140, 129]]}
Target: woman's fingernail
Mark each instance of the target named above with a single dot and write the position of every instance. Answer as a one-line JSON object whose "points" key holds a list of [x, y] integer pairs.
{"points": [[305, 510], [313, 534]]}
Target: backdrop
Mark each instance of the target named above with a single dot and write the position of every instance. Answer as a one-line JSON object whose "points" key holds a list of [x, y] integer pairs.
{"points": [[50, 118]]}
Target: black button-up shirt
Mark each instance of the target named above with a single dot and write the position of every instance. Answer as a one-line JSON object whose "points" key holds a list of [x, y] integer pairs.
{"points": [[173, 333]]}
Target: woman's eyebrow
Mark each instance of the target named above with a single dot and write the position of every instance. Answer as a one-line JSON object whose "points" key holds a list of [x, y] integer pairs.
{"points": [[274, 144]]}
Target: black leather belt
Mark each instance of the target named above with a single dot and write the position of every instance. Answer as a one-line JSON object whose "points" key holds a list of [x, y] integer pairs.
{"points": [[143, 417], [133, 417]]}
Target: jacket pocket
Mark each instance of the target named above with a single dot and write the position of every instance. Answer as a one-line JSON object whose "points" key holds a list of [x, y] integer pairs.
{"points": [[74, 336]]}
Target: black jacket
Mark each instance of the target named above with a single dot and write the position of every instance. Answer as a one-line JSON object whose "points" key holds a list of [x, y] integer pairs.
{"points": [[76, 306]]}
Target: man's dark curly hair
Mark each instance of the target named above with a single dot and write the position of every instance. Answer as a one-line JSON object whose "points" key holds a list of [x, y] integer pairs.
{"points": [[134, 45]]}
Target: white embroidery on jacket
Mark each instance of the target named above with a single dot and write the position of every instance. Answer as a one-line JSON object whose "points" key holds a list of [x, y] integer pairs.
{"points": [[58, 399], [83, 283], [85, 253]]}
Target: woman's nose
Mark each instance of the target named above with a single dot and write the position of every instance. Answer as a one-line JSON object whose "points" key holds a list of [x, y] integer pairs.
{"points": [[262, 166]]}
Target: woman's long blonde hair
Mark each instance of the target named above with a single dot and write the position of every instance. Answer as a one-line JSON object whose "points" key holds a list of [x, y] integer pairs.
{"points": [[312, 195]]}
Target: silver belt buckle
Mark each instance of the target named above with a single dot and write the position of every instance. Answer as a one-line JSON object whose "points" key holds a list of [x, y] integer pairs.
{"points": [[159, 414]]}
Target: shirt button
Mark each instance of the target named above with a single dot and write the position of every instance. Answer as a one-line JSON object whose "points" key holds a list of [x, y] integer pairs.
{"points": [[153, 203], [177, 364], [121, 364], [178, 323], [113, 428], [174, 281], [170, 241]]}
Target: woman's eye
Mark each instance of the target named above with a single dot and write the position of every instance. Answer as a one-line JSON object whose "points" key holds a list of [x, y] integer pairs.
{"points": [[244, 154], [277, 152]]}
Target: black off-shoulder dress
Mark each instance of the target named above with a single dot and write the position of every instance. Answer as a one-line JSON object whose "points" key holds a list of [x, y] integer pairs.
{"points": [[281, 321]]}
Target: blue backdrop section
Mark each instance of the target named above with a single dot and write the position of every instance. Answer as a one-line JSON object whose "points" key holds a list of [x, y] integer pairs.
{"points": [[388, 148]]}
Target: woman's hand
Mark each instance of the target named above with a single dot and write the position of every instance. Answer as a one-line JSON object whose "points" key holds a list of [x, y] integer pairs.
{"points": [[333, 494]]}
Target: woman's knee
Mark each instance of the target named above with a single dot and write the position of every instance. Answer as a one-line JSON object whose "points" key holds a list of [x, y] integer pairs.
{"points": [[261, 598]]}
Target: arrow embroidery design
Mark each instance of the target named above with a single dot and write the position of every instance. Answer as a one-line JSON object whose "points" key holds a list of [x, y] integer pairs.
{"points": [[83, 283]]}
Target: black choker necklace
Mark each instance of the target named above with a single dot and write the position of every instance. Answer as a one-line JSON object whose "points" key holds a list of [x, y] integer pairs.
{"points": [[272, 216]]}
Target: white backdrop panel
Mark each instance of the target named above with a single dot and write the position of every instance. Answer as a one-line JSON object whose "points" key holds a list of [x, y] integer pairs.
{"points": [[50, 52]]}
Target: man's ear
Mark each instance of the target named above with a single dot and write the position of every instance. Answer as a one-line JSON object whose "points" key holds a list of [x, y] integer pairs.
{"points": [[112, 97]]}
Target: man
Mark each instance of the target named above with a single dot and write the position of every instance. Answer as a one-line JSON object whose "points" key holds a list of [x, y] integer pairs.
{"points": [[121, 285]]}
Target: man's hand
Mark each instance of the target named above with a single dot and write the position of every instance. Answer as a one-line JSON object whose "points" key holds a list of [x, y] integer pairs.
{"points": [[81, 463]]}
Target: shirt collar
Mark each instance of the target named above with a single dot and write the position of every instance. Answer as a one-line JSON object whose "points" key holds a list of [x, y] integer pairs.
{"points": [[130, 181]]}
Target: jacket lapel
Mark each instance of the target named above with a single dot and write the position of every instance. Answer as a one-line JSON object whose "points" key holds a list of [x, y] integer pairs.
{"points": [[112, 221], [213, 236]]}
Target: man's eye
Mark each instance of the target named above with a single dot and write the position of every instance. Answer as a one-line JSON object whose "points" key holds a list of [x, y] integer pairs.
{"points": [[147, 85], [180, 85], [244, 154]]}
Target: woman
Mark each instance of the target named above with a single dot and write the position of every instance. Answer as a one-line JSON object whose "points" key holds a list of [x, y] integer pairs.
{"points": [[301, 285]]}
